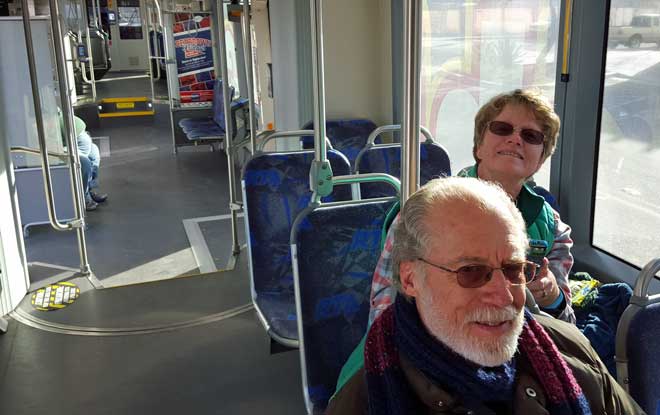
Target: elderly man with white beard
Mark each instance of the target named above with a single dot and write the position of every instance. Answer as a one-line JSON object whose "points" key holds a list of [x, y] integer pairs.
{"points": [[457, 340]]}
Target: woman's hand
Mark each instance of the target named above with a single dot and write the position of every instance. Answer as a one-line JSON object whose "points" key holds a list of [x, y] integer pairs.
{"points": [[544, 288]]}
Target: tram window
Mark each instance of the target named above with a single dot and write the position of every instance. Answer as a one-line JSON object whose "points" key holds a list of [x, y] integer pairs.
{"points": [[472, 51], [232, 61], [130, 19], [627, 206]]}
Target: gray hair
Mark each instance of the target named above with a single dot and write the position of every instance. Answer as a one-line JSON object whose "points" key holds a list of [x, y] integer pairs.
{"points": [[413, 239]]}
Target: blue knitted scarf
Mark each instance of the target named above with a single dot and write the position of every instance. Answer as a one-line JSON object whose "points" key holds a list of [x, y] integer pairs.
{"points": [[400, 330]]}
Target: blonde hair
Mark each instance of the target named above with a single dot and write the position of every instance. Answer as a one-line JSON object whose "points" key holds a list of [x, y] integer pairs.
{"points": [[533, 101]]}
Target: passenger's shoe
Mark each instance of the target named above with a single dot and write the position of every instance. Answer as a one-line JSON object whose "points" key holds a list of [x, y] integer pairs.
{"points": [[91, 205], [98, 198]]}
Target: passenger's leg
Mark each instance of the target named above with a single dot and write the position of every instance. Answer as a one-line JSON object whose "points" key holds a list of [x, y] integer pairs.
{"points": [[86, 171], [93, 183], [95, 158]]}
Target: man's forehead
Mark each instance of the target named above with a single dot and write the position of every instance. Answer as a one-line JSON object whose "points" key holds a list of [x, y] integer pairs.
{"points": [[464, 231]]}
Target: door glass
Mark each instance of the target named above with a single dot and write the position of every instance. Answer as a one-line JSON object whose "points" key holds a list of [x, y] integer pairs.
{"points": [[130, 19], [627, 206], [472, 51]]}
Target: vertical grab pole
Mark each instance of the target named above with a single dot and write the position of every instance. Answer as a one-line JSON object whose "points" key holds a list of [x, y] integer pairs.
{"points": [[320, 174], [146, 26], [412, 39], [90, 54], [38, 117], [229, 133], [67, 112], [318, 80], [249, 74]]}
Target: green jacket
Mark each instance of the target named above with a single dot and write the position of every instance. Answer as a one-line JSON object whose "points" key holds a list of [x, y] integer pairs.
{"points": [[536, 211]]}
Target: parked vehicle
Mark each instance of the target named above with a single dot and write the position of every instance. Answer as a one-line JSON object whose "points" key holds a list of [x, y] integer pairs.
{"points": [[644, 28]]}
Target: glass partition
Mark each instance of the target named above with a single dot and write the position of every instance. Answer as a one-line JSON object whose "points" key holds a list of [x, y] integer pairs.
{"points": [[473, 50], [627, 205]]}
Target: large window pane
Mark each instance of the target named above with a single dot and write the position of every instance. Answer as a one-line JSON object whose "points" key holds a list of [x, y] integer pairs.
{"points": [[473, 50], [627, 207]]}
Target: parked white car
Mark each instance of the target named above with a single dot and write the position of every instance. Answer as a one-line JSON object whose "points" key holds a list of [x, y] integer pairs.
{"points": [[644, 28]]}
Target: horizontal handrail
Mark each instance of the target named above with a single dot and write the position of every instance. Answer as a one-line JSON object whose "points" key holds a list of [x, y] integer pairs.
{"points": [[396, 127], [368, 178], [121, 78], [645, 277], [280, 134], [29, 150]]}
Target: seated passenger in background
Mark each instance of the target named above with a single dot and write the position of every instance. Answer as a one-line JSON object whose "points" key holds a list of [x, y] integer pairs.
{"points": [[90, 160], [514, 134], [457, 338], [87, 148]]}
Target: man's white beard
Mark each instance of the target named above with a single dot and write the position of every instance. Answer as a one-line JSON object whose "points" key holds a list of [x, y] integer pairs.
{"points": [[483, 352]]}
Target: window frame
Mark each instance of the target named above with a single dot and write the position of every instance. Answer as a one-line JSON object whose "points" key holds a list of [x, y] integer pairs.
{"points": [[575, 163]]}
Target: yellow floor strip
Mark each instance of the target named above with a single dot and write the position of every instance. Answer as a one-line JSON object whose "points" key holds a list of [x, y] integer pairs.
{"points": [[125, 99], [126, 114]]}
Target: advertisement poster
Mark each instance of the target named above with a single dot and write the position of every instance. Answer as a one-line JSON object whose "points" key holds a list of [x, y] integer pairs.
{"points": [[194, 57]]}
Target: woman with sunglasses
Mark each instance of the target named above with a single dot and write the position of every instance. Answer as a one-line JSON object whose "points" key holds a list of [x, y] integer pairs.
{"points": [[514, 134]]}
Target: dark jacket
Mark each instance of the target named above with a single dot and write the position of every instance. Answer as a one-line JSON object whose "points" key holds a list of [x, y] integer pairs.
{"points": [[605, 396]]}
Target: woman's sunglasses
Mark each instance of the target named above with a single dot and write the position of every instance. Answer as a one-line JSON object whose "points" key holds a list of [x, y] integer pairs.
{"points": [[475, 276], [504, 129]]}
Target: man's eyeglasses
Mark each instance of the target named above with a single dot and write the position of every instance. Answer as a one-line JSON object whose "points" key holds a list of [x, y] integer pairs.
{"points": [[475, 276], [505, 129]]}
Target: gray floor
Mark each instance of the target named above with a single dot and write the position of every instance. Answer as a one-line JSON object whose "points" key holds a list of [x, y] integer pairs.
{"points": [[151, 191], [219, 367]]}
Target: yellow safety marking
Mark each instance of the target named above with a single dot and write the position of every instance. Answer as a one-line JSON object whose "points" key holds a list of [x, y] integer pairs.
{"points": [[124, 99], [123, 105], [55, 296], [567, 37], [126, 114]]}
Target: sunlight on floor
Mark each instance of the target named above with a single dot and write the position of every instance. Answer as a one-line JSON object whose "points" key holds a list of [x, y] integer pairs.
{"points": [[170, 266]]}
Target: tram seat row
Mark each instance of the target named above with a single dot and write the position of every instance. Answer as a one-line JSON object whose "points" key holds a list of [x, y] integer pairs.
{"points": [[346, 135], [212, 128], [275, 191], [638, 342], [386, 158], [334, 250]]}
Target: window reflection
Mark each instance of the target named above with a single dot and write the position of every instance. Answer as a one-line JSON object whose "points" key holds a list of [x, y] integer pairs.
{"points": [[475, 50], [627, 213]]}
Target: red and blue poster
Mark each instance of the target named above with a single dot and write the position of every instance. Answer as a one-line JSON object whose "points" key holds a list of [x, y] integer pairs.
{"points": [[194, 57]]}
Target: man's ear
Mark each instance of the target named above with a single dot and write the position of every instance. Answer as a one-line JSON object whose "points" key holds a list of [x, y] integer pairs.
{"points": [[408, 280]]}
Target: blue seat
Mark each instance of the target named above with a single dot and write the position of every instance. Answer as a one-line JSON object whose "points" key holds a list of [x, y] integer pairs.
{"points": [[638, 342], [348, 136], [275, 190], [549, 197], [209, 127], [337, 248], [434, 162]]}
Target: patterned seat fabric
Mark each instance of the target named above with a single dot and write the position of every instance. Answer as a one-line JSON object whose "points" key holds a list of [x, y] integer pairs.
{"points": [[275, 190], [208, 127], [338, 248], [434, 162], [348, 136], [643, 343]]}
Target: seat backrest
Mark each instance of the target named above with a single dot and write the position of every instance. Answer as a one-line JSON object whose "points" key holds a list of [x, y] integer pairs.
{"points": [[275, 190], [640, 327], [219, 103], [348, 135], [335, 250], [433, 158], [549, 197]]}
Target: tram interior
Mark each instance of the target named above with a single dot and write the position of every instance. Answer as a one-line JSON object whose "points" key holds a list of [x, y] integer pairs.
{"points": [[161, 314]]}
